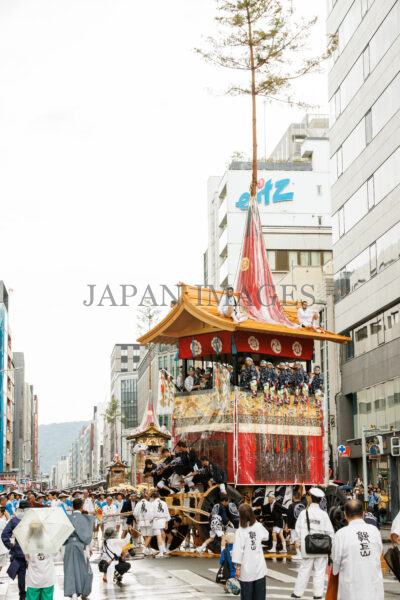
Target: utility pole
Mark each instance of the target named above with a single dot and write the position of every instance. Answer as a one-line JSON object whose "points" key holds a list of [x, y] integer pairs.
{"points": [[326, 428]]}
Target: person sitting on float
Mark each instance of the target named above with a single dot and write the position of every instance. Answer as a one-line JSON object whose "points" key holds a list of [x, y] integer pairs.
{"points": [[229, 306], [307, 317]]}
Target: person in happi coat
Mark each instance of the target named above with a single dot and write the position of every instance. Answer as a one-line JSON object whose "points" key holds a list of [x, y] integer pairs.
{"points": [[160, 518], [128, 506], [275, 511], [248, 555], [317, 382], [78, 573], [356, 556], [249, 373]]}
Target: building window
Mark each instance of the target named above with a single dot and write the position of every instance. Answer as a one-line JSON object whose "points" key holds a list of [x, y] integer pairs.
{"points": [[159, 363], [124, 367], [357, 272], [368, 127], [271, 259], [293, 258], [371, 192], [124, 352], [341, 222], [339, 161], [366, 63], [282, 260], [372, 259], [129, 407]]}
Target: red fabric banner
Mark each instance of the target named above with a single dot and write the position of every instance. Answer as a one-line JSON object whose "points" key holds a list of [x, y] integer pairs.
{"points": [[205, 344], [255, 282], [274, 345], [270, 345]]}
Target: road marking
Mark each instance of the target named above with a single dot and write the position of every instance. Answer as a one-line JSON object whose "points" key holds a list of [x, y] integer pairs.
{"points": [[280, 576], [192, 578]]}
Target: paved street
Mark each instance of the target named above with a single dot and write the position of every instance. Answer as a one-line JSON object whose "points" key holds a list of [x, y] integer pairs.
{"points": [[184, 578]]}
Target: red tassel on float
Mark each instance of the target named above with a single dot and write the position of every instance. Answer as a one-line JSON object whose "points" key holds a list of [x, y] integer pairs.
{"points": [[277, 443]]}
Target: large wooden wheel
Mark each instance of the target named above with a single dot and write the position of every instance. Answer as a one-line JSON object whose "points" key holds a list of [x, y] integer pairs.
{"points": [[335, 501], [206, 503]]}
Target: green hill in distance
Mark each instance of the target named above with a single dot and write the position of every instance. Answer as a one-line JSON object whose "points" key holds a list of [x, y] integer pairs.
{"points": [[55, 441]]}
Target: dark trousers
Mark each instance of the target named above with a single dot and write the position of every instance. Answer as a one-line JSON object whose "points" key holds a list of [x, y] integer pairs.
{"points": [[18, 568], [21, 582], [253, 590]]}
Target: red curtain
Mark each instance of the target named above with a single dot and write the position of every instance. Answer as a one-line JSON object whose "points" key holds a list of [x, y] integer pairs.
{"points": [[280, 346]]}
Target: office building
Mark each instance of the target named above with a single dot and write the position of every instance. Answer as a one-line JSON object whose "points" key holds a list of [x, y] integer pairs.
{"points": [[124, 362], [25, 430], [364, 92], [6, 383], [294, 204]]}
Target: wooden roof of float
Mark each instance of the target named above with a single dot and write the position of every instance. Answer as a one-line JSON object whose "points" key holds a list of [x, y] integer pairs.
{"points": [[197, 312]]}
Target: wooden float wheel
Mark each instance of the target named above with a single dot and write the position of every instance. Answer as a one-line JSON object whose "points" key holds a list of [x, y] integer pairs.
{"points": [[206, 503]]}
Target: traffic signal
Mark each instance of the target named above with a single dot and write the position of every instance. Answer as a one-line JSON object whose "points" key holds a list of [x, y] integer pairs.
{"points": [[395, 446]]}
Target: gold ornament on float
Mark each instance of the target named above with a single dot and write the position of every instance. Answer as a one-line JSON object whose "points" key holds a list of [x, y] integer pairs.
{"points": [[244, 265]]}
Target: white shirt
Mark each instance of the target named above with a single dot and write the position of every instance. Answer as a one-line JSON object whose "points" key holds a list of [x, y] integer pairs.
{"points": [[248, 552], [396, 525], [306, 316], [109, 510], [3, 523], [356, 555], [143, 513], [88, 505], [41, 572], [115, 546], [319, 523], [225, 302], [160, 513], [189, 383]]}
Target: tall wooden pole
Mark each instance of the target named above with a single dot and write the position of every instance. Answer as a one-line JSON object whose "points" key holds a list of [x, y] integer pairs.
{"points": [[149, 367], [253, 187]]}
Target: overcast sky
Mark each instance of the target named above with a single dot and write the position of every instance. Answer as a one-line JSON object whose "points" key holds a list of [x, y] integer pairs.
{"points": [[110, 126]]}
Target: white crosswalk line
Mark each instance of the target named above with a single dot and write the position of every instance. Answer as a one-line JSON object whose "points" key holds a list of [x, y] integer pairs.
{"points": [[191, 578], [272, 574]]}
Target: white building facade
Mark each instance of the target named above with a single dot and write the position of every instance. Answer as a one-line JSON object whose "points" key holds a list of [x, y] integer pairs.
{"points": [[364, 92], [294, 205]]}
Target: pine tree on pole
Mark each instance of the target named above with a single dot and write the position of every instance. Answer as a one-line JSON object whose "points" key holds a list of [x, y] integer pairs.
{"points": [[147, 317], [268, 40], [112, 415]]}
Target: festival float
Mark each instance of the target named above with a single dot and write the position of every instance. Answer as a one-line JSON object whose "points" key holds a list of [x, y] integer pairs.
{"points": [[262, 439]]}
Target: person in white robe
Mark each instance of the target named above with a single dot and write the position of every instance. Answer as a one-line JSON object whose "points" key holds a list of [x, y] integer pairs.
{"points": [[161, 516], [307, 317], [315, 563], [356, 556], [229, 306], [143, 514]]}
